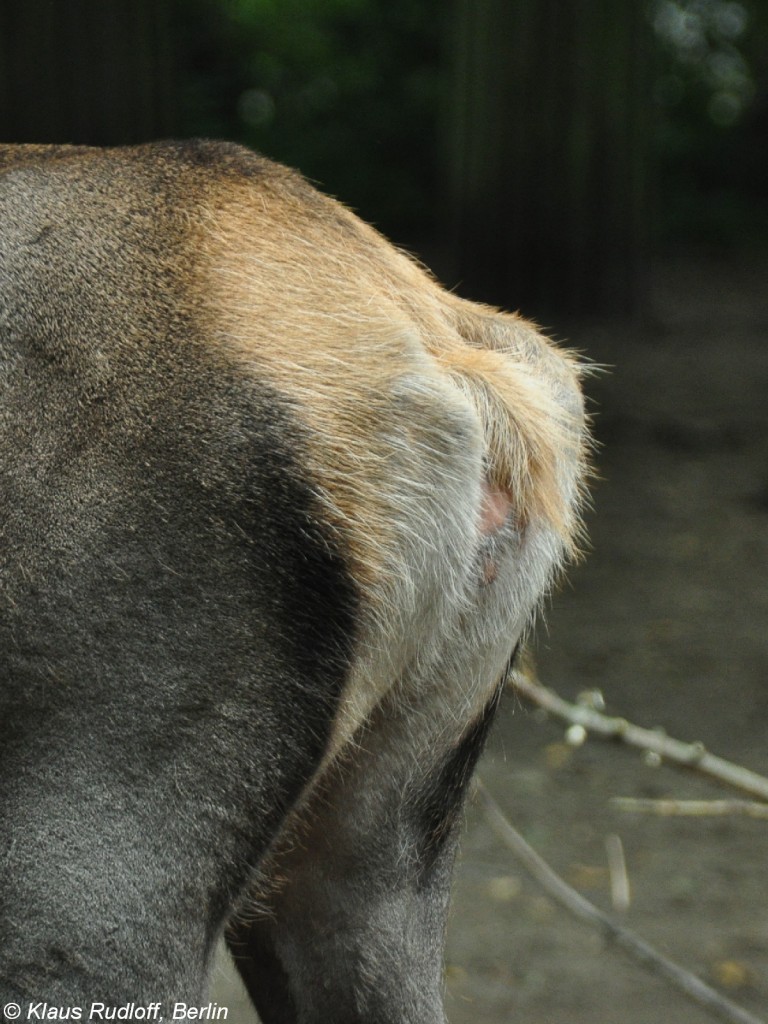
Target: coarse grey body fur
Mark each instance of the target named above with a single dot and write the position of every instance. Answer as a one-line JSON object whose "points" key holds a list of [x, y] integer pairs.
{"points": [[274, 514]]}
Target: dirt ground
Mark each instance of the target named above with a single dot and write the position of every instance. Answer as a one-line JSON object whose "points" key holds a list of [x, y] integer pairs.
{"points": [[668, 618]]}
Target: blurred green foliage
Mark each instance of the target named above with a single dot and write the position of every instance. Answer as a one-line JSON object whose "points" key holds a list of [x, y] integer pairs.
{"points": [[711, 121], [346, 90], [353, 92]]}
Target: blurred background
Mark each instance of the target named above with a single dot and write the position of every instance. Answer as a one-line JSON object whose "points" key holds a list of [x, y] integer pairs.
{"points": [[602, 166], [547, 148]]}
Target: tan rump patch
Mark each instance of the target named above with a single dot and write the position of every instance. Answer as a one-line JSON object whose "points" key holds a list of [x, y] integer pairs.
{"points": [[430, 423], [338, 319]]}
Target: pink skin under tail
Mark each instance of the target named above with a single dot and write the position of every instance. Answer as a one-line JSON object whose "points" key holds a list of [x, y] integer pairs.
{"points": [[495, 508]]}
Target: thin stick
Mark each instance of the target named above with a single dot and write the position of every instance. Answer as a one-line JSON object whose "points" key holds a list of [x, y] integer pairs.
{"points": [[692, 755], [617, 872], [720, 1007], [690, 808]]}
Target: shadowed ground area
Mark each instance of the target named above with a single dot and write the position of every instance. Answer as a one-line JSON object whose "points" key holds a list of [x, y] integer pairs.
{"points": [[668, 617]]}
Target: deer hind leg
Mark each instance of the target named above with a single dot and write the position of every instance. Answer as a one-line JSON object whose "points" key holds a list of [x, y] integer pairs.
{"points": [[354, 929], [354, 923]]}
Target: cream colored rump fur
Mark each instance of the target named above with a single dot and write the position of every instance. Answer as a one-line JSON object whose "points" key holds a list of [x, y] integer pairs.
{"points": [[446, 439]]}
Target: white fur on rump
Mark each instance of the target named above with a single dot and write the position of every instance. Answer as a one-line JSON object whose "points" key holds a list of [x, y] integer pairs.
{"points": [[416, 404]]}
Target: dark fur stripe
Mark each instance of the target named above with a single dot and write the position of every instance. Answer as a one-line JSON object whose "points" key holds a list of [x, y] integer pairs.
{"points": [[439, 806]]}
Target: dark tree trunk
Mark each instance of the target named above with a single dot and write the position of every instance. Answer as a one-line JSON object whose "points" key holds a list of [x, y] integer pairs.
{"points": [[547, 153], [85, 71]]}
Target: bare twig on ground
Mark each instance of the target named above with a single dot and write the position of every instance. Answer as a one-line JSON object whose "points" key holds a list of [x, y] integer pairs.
{"points": [[690, 808], [691, 755], [617, 872], [573, 901]]}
